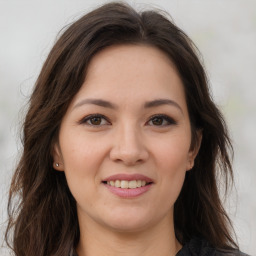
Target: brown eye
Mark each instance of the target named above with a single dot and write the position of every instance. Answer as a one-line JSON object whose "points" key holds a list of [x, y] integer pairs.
{"points": [[157, 121], [95, 120], [161, 120]]}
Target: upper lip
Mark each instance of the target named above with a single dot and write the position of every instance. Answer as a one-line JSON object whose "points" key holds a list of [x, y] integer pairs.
{"points": [[128, 177]]}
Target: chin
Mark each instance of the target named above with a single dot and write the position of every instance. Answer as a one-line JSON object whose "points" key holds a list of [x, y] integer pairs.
{"points": [[128, 221], [128, 227]]}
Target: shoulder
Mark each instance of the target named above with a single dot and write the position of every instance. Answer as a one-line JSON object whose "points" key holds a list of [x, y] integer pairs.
{"points": [[200, 247]]}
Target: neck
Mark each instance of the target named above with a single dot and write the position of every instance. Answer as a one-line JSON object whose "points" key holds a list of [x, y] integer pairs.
{"points": [[157, 240]]}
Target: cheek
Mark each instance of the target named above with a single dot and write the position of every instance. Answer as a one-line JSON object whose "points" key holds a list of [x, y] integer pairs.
{"points": [[81, 167], [80, 152], [171, 161], [172, 153], [81, 159]]}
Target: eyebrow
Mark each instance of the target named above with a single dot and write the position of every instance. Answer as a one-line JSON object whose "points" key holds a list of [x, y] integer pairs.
{"points": [[98, 102], [148, 104], [160, 102]]}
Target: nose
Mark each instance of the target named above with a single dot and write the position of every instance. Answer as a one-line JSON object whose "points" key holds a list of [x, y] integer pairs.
{"points": [[129, 147]]}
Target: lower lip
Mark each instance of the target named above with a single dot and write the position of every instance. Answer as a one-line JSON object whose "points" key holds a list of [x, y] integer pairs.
{"points": [[128, 192]]}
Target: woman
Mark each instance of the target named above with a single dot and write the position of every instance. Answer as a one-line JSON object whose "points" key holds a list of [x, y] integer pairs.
{"points": [[123, 146]]}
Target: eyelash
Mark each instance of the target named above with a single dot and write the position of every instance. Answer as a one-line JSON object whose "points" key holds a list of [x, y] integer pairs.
{"points": [[169, 120], [165, 118], [90, 117]]}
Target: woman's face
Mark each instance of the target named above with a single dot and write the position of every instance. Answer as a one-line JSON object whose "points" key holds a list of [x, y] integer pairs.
{"points": [[128, 126]]}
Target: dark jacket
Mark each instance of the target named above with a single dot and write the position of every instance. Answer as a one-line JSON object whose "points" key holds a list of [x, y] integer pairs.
{"points": [[200, 247]]}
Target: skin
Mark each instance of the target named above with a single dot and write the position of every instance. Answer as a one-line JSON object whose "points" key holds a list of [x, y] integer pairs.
{"points": [[129, 139]]}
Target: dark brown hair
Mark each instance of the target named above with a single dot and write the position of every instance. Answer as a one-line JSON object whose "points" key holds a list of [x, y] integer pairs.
{"points": [[44, 221]]}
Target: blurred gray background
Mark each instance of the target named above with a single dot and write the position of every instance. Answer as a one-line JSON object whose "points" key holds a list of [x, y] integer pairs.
{"points": [[223, 30]]}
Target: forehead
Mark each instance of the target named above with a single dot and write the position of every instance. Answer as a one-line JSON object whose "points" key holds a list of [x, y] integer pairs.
{"points": [[132, 72], [132, 57]]}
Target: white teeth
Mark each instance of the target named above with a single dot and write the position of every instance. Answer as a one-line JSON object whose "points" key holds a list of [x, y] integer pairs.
{"points": [[118, 184], [133, 184], [127, 184], [124, 184]]}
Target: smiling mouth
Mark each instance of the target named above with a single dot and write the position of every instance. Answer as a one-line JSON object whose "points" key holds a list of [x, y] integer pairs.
{"points": [[132, 184]]}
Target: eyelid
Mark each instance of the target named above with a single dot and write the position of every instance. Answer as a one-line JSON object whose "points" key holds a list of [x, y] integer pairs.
{"points": [[170, 120], [88, 117]]}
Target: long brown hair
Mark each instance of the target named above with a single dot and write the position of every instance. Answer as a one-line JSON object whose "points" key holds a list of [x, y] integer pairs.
{"points": [[42, 211]]}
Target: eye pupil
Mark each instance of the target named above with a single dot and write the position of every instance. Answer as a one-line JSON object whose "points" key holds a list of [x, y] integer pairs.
{"points": [[157, 121], [95, 120]]}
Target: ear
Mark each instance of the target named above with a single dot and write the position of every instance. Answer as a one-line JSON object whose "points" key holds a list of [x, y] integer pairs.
{"points": [[194, 150], [57, 158]]}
